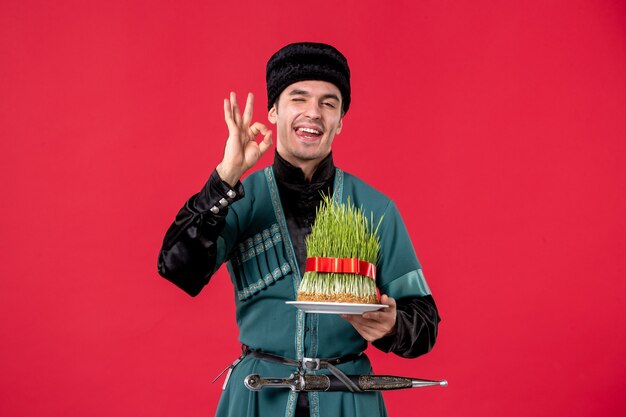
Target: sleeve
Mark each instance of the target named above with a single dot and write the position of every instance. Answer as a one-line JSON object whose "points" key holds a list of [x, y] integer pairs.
{"points": [[188, 254], [417, 323], [401, 277]]}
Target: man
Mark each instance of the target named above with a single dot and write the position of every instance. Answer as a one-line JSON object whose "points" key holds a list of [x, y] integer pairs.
{"points": [[261, 234]]}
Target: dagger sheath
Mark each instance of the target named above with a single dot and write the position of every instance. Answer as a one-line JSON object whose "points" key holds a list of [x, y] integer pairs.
{"points": [[312, 382], [365, 382]]}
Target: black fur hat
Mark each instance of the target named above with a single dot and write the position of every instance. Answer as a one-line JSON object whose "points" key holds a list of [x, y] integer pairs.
{"points": [[307, 61]]}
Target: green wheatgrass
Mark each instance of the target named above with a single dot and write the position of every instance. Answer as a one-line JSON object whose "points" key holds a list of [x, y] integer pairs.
{"points": [[341, 231]]}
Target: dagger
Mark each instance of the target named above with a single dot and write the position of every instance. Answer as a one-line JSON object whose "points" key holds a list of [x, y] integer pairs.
{"points": [[313, 382]]}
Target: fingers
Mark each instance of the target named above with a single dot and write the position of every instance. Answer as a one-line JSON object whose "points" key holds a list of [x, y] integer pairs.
{"points": [[235, 108], [232, 113], [265, 144], [247, 112], [228, 116], [257, 128], [368, 329], [375, 324], [239, 127], [383, 313], [390, 301]]}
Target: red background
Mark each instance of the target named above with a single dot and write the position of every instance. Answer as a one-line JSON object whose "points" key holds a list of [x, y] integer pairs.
{"points": [[498, 128]]}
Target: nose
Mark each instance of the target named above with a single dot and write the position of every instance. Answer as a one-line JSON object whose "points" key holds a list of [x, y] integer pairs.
{"points": [[312, 110]]}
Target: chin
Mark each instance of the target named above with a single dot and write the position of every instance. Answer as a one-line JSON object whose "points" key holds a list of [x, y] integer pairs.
{"points": [[305, 156], [306, 152]]}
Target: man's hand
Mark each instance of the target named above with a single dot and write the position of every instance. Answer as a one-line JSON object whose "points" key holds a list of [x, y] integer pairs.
{"points": [[375, 324], [241, 151]]}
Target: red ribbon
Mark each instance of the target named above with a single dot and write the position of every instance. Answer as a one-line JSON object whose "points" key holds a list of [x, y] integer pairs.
{"points": [[342, 266]]}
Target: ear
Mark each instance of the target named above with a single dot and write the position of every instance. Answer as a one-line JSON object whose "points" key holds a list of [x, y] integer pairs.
{"points": [[271, 115], [339, 127]]}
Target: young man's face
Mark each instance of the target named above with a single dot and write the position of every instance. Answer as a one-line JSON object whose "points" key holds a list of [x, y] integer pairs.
{"points": [[307, 116]]}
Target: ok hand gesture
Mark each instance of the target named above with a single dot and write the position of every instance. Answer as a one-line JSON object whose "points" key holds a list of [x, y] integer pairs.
{"points": [[241, 151]]}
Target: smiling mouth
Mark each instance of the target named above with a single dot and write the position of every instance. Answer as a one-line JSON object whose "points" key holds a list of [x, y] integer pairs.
{"points": [[308, 133]]}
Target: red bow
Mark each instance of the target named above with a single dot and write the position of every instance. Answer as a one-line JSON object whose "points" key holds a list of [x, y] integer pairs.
{"points": [[342, 266]]}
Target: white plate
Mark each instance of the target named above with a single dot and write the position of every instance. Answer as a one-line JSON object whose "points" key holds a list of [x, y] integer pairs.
{"points": [[335, 308]]}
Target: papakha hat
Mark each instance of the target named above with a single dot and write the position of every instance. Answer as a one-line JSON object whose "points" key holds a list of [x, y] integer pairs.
{"points": [[307, 61]]}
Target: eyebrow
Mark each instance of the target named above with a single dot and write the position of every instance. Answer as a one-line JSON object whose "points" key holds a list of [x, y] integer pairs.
{"points": [[306, 93]]}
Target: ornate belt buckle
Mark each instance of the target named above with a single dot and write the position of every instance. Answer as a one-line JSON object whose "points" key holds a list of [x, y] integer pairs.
{"points": [[311, 364]]}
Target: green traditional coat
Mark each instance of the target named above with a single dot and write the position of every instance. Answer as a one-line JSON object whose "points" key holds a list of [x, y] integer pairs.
{"points": [[264, 271]]}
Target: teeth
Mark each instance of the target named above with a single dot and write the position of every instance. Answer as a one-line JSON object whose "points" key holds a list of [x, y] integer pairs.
{"points": [[308, 130]]}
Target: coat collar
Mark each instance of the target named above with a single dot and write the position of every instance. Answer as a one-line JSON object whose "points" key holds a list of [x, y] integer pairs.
{"points": [[287, 173]]}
